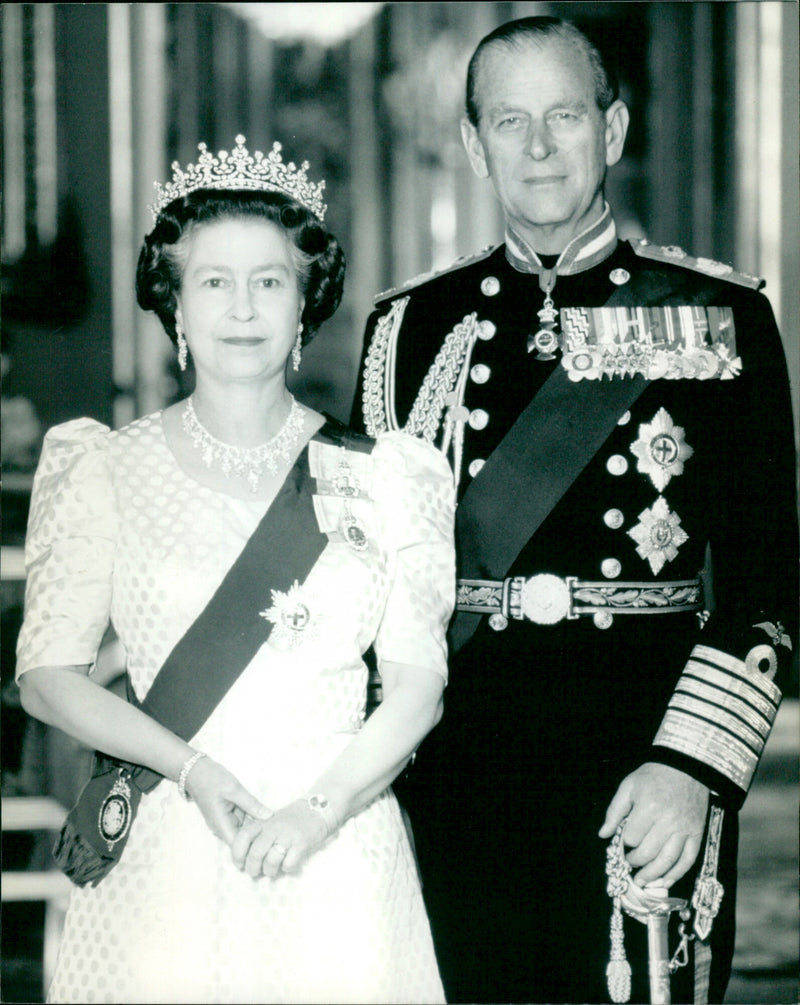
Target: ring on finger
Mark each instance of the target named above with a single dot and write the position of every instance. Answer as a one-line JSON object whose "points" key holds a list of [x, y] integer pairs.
{"points": [[277, 849]]}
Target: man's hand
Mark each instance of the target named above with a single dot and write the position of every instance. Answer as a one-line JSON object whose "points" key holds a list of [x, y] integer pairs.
{"points": [[666, 814]]}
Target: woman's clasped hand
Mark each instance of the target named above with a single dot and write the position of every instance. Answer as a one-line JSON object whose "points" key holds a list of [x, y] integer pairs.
{"points": [[221, 798], [280, 842]]}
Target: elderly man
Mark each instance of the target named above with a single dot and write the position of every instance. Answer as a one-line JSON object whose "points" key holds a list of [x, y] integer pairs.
{"points": [[619, 425]]}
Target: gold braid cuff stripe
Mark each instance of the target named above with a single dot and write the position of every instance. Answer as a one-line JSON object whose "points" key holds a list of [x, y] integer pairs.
{"points": [[721, 713]]}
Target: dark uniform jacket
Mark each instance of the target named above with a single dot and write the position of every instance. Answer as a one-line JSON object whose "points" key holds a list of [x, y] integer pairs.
{"points": [[672, 553]]}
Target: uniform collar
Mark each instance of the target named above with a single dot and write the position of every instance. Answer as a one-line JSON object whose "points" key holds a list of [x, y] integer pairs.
{"points": [[583, 252]]}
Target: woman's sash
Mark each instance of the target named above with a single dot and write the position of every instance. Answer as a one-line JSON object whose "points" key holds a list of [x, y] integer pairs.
{"points": [[204, 664]]}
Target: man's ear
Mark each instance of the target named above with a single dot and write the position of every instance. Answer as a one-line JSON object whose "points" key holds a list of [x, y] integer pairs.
{"points": [[474, 148], [617, 119]]}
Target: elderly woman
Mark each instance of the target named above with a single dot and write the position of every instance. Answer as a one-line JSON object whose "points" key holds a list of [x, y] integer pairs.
{"points": [[248, 552]]}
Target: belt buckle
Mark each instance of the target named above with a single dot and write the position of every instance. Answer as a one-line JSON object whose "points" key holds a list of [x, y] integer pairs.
{"points": [[544, 599]]}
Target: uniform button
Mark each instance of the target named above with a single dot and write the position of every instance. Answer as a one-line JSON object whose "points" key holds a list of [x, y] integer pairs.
{"points": [[603, 619], [480, 373], [458, 413], [611, 568], [616, 464], [623, 420], [479, 418], [490, 286], [619, 276], [475, 466], [613, 518], [498, 622], [486, 330]]}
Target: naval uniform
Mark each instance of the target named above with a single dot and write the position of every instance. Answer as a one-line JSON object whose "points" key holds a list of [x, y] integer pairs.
{"points": [[646, 616]]}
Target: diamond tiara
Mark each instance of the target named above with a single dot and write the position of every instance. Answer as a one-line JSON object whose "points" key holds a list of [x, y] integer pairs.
{"points": [[241, 170]]}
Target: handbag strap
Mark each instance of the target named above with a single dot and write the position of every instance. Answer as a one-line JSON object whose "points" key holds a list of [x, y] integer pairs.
{"points": [[225, 637]]}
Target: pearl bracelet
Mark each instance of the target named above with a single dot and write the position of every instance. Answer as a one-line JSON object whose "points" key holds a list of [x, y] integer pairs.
{"points": [[187, 767], [320, 804]]}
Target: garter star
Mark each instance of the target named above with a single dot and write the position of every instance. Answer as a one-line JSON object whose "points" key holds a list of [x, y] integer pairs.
{"points": [[661, 449], [291, 617]]}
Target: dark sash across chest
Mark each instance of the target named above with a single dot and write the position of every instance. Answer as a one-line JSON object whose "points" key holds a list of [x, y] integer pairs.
{"points": [[546, 449]]}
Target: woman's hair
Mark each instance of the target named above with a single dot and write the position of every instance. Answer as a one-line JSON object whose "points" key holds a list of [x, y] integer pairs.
{"points": [[317, 256]]}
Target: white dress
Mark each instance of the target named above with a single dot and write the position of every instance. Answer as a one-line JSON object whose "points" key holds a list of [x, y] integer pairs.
{"points": [[118, 530]]}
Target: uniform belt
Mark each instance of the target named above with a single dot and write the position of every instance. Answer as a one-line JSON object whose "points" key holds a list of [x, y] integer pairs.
{"points": [[546, 599]]}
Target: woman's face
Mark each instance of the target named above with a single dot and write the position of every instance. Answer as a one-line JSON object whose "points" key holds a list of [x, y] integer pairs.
{"points": [[239, 303]]}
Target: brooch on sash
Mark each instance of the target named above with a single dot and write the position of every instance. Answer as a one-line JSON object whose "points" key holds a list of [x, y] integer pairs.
{"points": [[115, 814], [674, 343], [291, 616]]}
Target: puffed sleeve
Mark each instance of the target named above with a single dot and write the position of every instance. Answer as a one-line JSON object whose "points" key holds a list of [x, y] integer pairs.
{"points": [[69, 549], [413, 487]]}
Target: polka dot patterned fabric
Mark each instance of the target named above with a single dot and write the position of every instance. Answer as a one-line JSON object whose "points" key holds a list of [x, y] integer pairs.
{"points": [[118, 530]]}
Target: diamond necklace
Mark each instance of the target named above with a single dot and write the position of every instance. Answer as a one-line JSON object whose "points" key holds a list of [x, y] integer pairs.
{"points": [[247, 462]]}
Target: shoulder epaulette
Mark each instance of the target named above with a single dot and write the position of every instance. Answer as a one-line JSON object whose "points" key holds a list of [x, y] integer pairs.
{"points": [[677, 256], [424, 277]]}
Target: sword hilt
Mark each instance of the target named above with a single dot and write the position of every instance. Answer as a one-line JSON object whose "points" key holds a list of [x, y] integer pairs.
{"points": [[651, 906]]}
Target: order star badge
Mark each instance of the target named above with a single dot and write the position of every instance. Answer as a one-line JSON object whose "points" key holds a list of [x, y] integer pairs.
{"points": [[661, 449], [658, 535], [291, 617]]}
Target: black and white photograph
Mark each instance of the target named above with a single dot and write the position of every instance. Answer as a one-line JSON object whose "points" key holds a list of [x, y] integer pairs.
{"points": [[399, 564]]}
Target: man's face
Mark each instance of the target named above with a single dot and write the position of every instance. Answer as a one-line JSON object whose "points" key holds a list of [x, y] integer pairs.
{"points": [[542, 139]]}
